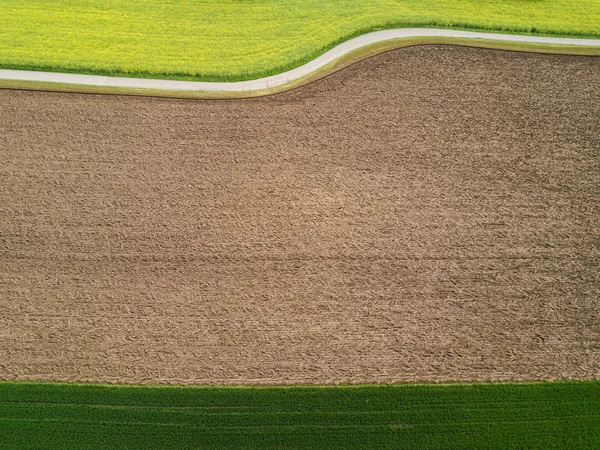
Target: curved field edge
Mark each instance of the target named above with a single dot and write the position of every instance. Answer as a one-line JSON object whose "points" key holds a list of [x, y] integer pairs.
{"points": [[277, 69], [560, 414], [232, 40], [339, 64]]}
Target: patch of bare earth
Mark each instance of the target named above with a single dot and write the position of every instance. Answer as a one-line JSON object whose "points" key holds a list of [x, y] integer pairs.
{"points": [[431, 214]]}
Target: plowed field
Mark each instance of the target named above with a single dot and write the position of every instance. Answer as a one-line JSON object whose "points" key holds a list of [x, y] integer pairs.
{"points": [[430, 214]]}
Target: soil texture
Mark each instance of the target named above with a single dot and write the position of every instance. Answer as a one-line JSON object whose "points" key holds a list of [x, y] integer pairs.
{"points": [[429, 214]]}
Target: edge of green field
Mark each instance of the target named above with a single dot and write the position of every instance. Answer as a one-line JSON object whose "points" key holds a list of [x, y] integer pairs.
{"points": [[234, 40], [341, 63], [277, 69], [544, 415]]}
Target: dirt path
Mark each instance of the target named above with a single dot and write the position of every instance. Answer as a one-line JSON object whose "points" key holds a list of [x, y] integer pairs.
{"points": [[430, 214]]}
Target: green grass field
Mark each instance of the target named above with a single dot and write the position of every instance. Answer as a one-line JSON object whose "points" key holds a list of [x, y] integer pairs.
{"points": [[243, 39], [529, 415]]}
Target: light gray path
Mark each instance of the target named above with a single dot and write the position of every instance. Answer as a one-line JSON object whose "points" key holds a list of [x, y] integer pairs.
{"points": [[291, 75]]}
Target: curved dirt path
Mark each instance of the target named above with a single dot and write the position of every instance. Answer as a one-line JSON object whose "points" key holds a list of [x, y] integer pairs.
{"points": [[289, 76]]}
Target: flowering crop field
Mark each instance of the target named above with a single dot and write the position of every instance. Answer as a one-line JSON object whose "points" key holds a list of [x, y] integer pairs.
{"points": [[234, 39]]}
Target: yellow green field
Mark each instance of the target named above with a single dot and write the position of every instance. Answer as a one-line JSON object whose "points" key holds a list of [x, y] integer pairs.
{"points": [[235, 39]]}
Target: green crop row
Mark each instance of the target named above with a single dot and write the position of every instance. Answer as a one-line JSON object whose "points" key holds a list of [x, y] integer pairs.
{"points": [[243, 39], [526, 415]]}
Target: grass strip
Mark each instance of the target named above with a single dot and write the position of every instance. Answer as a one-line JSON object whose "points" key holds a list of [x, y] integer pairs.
{"points": [[504, 415], [233, 40]]}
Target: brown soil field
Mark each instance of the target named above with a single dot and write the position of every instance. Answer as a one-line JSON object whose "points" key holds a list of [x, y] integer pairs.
{"points": [[429, 214]]}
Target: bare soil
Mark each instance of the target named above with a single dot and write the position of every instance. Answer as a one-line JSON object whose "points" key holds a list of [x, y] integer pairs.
{"points": [[430, 214]]}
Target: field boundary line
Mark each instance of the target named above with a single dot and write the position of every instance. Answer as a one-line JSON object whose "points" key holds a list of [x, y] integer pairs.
{"points": [[290, 76]]}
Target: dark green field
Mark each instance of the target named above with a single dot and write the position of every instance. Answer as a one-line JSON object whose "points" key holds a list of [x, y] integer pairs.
{"points": [[529, 415]]}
